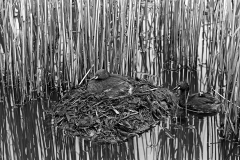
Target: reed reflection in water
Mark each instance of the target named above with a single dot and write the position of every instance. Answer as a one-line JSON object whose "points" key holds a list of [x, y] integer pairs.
{"points": [[26, 133]]}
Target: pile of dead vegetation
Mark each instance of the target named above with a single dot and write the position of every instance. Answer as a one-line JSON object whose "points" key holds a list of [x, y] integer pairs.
{"points": [[100, 118]]}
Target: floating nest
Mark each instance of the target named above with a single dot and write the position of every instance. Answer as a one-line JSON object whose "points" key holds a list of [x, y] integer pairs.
{"points": [[99, 118]]}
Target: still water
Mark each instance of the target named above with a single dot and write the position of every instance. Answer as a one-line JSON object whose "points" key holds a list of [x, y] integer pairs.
{"points": [[26, 133]]}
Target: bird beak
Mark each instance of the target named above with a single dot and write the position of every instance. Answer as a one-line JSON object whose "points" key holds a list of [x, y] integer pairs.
{"points": [[176, 88], [94, 77]]}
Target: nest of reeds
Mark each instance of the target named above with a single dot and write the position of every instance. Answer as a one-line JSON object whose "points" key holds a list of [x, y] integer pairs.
{"points": [[98, 118]]}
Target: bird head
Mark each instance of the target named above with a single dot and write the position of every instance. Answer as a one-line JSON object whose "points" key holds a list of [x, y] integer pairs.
{"points": [[101, 74], [183, 86]]}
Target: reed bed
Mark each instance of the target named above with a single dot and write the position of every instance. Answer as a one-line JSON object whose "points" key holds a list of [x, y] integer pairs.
{"points": [[52, 44]]}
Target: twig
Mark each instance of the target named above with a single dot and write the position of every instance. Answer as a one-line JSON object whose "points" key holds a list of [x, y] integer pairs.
{"points": [[225, 98], [85, 76]]}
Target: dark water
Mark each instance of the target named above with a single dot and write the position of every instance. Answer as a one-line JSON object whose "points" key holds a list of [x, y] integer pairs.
{"points": [[26, 133]]}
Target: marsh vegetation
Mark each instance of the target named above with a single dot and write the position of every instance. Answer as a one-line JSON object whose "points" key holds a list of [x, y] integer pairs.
{"points": [[48, 46]]}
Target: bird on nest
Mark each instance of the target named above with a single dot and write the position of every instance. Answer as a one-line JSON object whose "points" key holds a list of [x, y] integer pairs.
{"points": [[112, 85]]}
